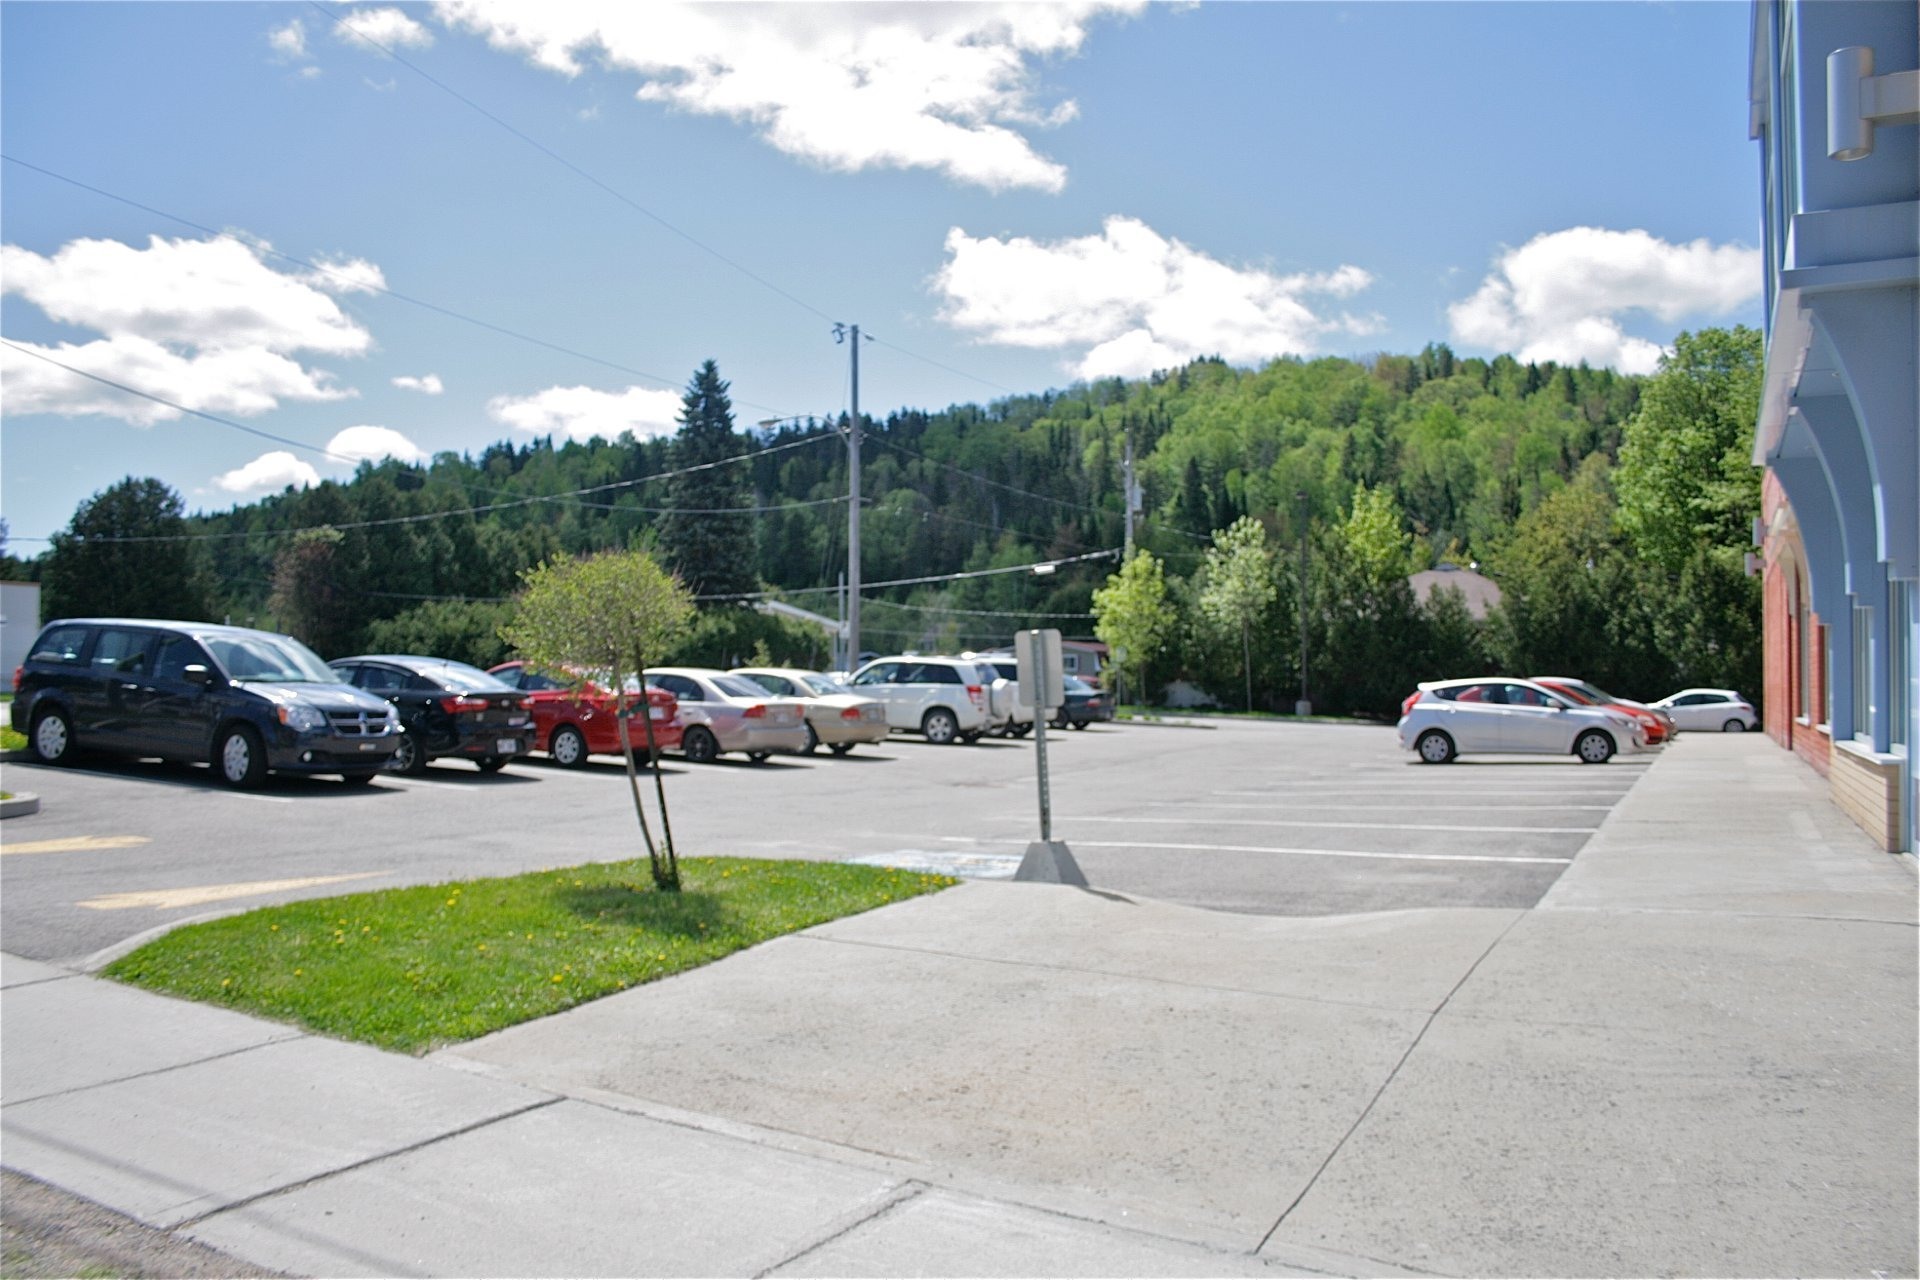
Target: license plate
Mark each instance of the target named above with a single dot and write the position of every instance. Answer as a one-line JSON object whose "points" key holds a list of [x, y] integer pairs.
{"points": [[506, 746], [369, 746], [656, 713]]}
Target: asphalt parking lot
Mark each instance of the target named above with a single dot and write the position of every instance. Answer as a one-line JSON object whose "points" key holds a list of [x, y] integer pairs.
{"points": [[1263, 817]]}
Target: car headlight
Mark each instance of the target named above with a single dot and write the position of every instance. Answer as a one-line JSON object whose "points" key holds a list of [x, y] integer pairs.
{"points": [[302, 718]]}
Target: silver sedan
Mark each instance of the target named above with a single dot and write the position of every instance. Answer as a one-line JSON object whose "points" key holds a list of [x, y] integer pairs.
{"points": [[724, 713], [836, 715]]}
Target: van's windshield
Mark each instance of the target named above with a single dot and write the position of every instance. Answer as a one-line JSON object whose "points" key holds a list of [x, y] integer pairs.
{"points": [[278, 659]]}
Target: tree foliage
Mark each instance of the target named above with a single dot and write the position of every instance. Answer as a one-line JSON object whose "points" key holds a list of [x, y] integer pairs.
{"points": [[1686, 480], [1133, 616], [127, 553], [710, 550]]}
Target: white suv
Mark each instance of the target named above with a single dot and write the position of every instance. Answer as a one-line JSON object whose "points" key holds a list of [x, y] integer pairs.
{"points": [[944, 698]]}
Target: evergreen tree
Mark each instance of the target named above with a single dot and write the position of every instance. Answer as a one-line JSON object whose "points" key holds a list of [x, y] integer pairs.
{"points": [[127, 554], [709, 550]]}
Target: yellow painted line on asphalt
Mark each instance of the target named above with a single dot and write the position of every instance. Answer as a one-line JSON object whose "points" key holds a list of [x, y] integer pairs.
{"points": [[198, 895], [72, 844]]}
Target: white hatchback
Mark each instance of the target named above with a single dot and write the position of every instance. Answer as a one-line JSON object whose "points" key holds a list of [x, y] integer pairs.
{"points": [[1450, 717], [1712, 710]]}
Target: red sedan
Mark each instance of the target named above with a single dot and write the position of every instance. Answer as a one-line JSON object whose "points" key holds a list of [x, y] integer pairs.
{"points": [[574, 720], [1659, 728]]}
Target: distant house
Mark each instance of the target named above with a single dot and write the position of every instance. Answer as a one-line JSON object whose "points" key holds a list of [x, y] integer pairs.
{"points": [[19, 622], [1084, 658], [1482, 592]]}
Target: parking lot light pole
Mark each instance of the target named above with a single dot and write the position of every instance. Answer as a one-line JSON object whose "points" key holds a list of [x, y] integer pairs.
{"points": [[1304, 707]]}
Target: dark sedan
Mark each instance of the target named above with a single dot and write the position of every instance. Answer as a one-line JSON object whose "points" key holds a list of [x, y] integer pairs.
{"points": [[1084, 705], [446, 708]]}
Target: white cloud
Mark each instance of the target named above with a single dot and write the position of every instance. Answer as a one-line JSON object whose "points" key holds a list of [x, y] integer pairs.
{"points": [[205, 323], [290, 41], [1561, 296], [370, 444], [581, 413], [1136, 300], [388, 27], [426, 384], [949, 87], [268, 473], [244, 381]]}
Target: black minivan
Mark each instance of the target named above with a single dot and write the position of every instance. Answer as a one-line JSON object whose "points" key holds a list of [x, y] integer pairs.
{"points": [[245, 701]]}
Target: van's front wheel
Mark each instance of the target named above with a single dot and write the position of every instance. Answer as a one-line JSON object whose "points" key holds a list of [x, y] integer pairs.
{"points": [[240, 758]]}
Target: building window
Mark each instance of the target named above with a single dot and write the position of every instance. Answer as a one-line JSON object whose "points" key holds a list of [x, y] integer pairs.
{"points": [[1862, 672], [1899, 664], [1803, 651]]}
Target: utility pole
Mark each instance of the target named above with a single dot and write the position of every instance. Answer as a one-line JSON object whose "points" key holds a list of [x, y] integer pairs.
{"points": [[853, 502], [1304, 707], [1132, 500]]}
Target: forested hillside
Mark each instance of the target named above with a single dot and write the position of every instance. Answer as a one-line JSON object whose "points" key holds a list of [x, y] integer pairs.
{"points": [[1402, 461]]}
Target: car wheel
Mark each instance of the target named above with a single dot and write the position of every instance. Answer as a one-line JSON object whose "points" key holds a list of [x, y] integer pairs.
{"points": [[239, 758], [970, 738], [758, 757], [1022, 730], [409, 758], [813, 741], [491, 764], [358, 779], [52, 737], [1593, 747], [1734, 726], [699, 745], [1080, 724], [1435, 747], [568, 747], [940, 726], [841, 748]]}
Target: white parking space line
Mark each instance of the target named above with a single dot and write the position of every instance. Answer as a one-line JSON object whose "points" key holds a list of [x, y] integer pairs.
{"points": [[1360, 793], [1321, 853], [1315, 853], [1366, 826], [1422, 805], [248, 795]]}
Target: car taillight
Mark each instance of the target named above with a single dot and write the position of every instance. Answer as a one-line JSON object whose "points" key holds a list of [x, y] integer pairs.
{"points": [[978, 695], [19, 673], [757, 712], [460, 702], [1406, 708], [850, 713]]}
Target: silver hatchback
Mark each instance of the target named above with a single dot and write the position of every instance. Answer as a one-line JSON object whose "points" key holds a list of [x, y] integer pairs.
{"points": [[1501, 714]]}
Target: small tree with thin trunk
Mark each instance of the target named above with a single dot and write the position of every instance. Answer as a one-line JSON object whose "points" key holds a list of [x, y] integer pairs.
{"points": [[1134, 617], [1239, 586], [608, 613]]}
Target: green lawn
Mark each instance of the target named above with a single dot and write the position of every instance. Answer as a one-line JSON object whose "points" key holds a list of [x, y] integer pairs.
{"points": [[416, 968]]}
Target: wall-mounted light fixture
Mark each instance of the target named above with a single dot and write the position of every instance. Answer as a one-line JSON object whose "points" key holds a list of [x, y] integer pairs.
{"points": [[1858, 101]]}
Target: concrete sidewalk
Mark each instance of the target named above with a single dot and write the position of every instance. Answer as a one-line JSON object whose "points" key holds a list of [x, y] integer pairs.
{"points": [[1696, 1056]]}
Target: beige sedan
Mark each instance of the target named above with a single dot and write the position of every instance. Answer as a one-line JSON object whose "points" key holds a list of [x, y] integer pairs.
{"points": [[836, 715]]}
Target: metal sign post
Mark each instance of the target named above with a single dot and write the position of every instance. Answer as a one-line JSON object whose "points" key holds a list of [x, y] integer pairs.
{"points": [[1043, 687]]}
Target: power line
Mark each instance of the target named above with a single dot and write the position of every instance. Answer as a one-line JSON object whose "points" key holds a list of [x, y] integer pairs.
{"points": [[1108, 553]]}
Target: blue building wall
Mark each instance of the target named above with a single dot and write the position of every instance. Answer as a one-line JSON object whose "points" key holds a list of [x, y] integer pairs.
{"points": [[1840, 415]]}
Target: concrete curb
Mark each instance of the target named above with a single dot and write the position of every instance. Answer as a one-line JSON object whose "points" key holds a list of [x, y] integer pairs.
{"points": [[22, 804]]}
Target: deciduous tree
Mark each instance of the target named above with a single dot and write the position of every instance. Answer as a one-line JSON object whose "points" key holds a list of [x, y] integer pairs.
{"points": [[611, 613]]}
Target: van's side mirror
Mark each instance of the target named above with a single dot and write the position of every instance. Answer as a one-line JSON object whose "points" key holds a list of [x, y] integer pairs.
{"points": [[196, 673]]}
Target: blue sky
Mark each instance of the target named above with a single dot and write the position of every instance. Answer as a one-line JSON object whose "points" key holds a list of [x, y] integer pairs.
{"points": [[1009, 198]]}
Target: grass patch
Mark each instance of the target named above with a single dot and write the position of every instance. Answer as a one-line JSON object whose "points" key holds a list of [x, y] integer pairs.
{"points": [[416, 968], [11, 741]]}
